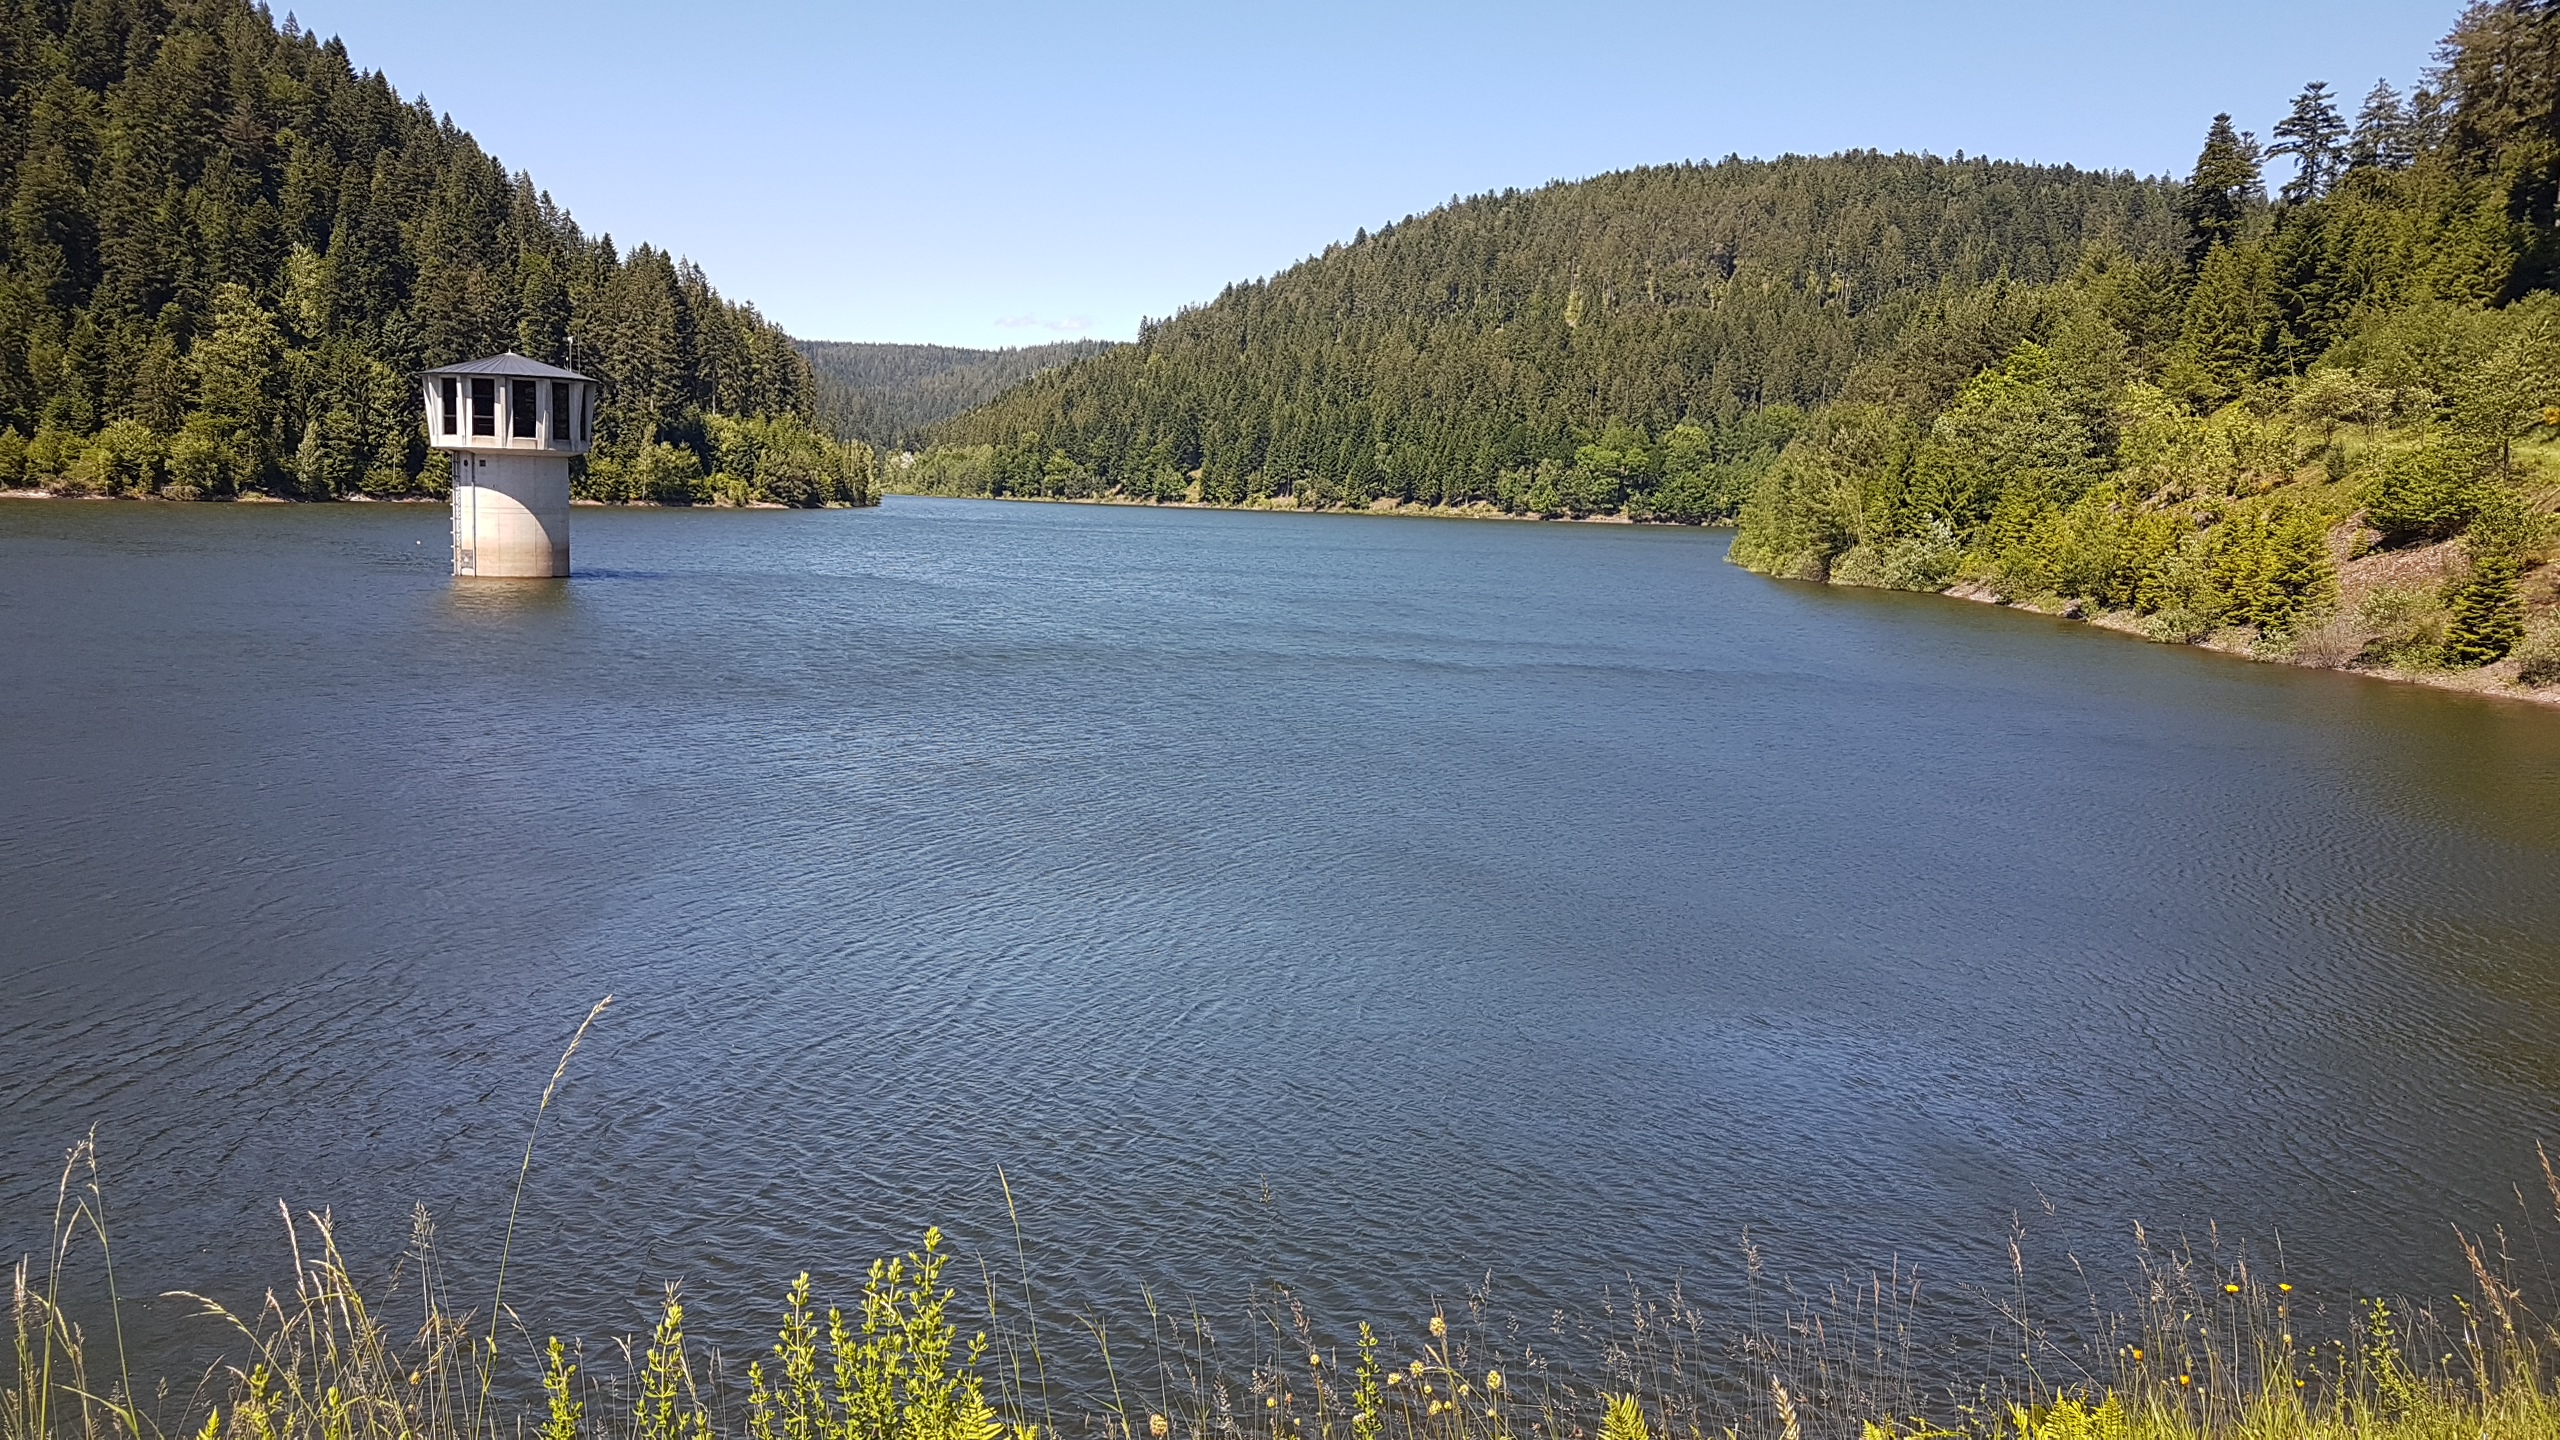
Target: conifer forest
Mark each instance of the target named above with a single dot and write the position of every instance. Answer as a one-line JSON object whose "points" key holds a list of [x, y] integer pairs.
{"points": [[891, 395], [2302, 400], [228, 250]]}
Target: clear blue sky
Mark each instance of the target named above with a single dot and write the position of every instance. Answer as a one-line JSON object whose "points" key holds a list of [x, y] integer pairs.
{"points": [[1003, 174]]}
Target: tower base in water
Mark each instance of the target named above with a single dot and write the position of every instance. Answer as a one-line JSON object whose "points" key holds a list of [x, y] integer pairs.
{"points": [[510, 516]]}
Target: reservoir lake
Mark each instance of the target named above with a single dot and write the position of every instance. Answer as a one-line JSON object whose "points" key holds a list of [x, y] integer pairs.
{"points": [[1396, 910]]}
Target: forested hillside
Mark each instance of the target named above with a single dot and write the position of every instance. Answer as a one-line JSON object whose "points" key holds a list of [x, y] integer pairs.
{"points": [[2320, 425], [2325, 433], [1672, 320], [887, 395], [227, 249]]}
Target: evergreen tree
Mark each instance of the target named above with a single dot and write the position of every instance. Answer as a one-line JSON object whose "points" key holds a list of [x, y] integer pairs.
{"points": [[240, 379], [2487, 614], [2315, 136], [891, 394], [2500, 74], [2230, 339], [2381, 140], [2222, 190]]}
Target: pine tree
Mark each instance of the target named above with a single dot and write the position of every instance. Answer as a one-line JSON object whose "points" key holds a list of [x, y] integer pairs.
{"points": [[2314, 136], [2500, 72], [2221, 192], [2231, 336], [2487, 612], [2381, 138], [239, 376]]}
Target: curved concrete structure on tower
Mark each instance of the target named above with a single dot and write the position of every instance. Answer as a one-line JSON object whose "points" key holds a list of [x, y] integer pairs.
{"points": [[511, 425]]}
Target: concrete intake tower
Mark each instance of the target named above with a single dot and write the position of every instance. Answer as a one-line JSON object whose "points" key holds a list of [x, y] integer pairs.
{"points": [[511, 425]]}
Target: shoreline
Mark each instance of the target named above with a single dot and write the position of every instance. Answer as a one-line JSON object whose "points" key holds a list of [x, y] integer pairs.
{"points": [[251, 498], [1379, 508], [2496, 680], [256, 498]]}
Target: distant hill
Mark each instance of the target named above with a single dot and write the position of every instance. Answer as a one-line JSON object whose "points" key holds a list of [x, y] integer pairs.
{"points": [[2321, 425], [886, 394], [1444, 358]]}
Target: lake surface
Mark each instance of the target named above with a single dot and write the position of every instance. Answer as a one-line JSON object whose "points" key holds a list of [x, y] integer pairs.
{"points": [[1377, 906]]}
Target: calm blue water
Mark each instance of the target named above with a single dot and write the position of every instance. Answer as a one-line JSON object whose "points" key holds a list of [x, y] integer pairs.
{"points": [[1377, 906]]}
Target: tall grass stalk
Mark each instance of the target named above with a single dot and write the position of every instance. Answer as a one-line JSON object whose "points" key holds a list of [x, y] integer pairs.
{"points": [[1030, 1312], [524, 1171]]}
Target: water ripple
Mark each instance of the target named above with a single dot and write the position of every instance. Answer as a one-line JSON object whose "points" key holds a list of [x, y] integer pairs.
{"points": [[1367, 905]]}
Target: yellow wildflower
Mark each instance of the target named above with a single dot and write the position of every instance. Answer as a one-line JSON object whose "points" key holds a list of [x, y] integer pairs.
{"points": [[1493, 1379], [1158, 1426], [1439, 1328]]}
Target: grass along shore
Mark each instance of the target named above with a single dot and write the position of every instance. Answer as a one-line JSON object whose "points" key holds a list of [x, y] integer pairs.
{"points": [[2205, 1350], [2210, 1346]]}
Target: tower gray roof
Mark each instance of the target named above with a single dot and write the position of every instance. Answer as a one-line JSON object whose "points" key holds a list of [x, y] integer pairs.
{"points": [[512, 364]]}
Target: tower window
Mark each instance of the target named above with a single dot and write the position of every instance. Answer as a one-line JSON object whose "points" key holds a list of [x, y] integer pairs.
{"points": [[452, 405], [520, 408], [586, 413], [559, 412], [484, 407]]}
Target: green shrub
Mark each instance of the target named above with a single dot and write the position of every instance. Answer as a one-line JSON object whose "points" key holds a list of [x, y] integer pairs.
{"points": [[667, 474], [2407, 626], [53, 451], [2270, 565], [2178, 625], [194, 464], [124, 459], [2426, 492], [901, 1375], [783, 461], [2538, 658]]}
